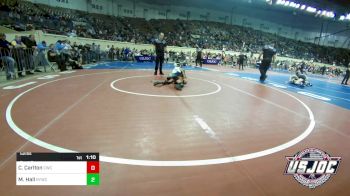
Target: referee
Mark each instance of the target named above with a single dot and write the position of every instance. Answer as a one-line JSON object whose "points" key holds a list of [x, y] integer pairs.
{"points": [[199, 56], [346, 76], [241, 58], [269, 56], [160, 47]]}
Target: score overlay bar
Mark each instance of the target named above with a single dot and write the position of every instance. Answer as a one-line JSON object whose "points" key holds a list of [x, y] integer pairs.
{"points": [[57, 169]]}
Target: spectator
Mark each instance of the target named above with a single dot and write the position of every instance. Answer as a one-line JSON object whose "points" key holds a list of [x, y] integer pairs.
{"points": [[211, 35], [40, 58], [98, 52], [56, 55], [6, 58], [111, 53], [241, 58], [53, 56], [31, 46], [19, 54], [346, 76], [75, 60]]}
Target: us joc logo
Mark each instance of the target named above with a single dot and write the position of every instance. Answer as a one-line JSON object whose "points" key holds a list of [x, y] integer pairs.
{"points": [[312, 167]]}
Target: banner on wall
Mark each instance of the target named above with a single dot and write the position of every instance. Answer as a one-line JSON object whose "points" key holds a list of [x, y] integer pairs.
{"points": [[211, 61], [144, 58]]}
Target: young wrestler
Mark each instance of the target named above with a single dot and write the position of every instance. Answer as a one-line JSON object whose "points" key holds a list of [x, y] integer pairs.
{"points": [[177, 77]]}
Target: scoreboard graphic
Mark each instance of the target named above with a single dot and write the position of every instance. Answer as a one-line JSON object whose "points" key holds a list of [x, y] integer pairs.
{"points": [[57, 169]]}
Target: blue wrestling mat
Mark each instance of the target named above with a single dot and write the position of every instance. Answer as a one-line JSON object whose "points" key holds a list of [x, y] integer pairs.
{"points": [[322, 90]]}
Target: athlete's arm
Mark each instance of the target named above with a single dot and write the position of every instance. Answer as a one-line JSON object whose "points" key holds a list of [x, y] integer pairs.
{"points": [[273, 58], [260, 56]]}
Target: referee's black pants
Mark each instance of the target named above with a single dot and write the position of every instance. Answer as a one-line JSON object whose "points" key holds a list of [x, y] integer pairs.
{"points": [[265, 65], [240, 64], [159, 63], [345, 79], [199, 61]]}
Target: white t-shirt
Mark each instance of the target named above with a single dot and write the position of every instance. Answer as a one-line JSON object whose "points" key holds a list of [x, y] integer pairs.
{"points": [[176, 70]]}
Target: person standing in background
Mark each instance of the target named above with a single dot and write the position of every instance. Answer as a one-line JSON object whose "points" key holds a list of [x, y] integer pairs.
{"points": [[111, 53], [98, 52], [241, 58], [346, 76], [30, 43], [6, 58], [160, 47], [40, 58], [56, 53], [126, 53], [19, 52], [66, 50], [199, 56]]}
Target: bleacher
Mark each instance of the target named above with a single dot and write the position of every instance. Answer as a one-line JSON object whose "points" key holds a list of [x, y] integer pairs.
{"points": [[56, 23]]}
